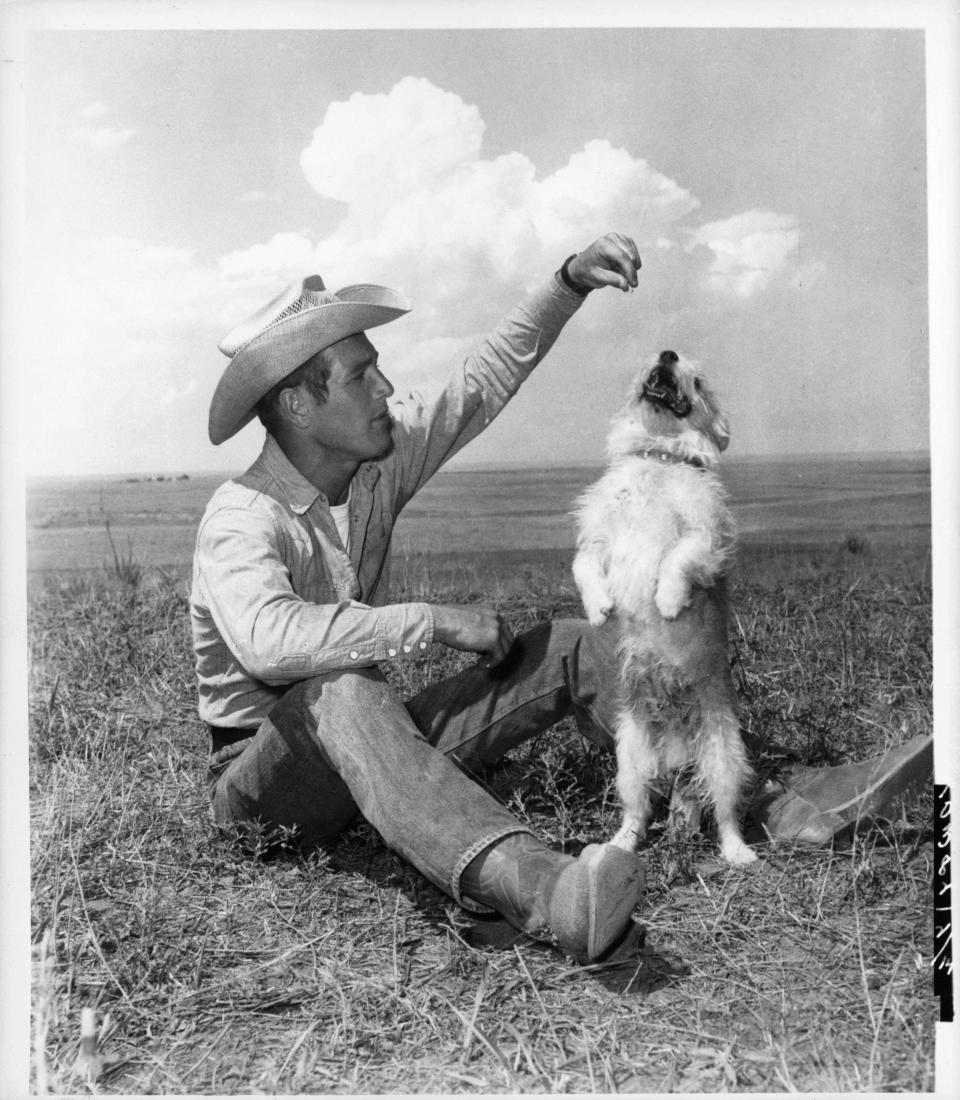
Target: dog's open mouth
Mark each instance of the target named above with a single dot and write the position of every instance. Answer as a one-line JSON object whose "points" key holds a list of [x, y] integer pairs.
{"points": [[661, 387]]}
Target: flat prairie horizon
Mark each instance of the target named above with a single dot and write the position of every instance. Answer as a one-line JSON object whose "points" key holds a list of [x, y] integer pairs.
{"points": [[466, 465], [881, 500]]}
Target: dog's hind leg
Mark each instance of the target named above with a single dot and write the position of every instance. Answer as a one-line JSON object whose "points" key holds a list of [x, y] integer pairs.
{"points": [[724, 774], [637, 768]]}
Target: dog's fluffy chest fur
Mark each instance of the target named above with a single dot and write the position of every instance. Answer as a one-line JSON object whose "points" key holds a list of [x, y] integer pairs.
{"points": [[639, 511]]}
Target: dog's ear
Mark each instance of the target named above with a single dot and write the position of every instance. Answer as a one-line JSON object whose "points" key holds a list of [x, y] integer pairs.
{"points": [[721, 431]]}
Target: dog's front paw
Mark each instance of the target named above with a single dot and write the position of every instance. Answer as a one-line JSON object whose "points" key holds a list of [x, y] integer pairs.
{"points": [[598, 609], [599, 615], [672, 597]]}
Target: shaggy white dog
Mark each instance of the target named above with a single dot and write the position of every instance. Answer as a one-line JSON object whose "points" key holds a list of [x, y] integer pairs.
{"points": [[655, 538]]}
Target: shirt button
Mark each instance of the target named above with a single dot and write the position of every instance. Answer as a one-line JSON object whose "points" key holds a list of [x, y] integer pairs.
{"points": [[391, 653], [354, 654]]}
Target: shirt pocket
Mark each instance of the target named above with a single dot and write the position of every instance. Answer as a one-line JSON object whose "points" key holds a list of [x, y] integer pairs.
{"points": [[327, 575], [309, 576]]}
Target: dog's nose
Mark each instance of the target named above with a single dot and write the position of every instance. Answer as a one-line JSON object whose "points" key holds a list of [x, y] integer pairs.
{"points": [[668, 357]]}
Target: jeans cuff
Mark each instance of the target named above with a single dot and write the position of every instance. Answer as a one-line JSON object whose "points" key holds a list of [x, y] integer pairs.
{"points": [[222, 759], [469, 856]]}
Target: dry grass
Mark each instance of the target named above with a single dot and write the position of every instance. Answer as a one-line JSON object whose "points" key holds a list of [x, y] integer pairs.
{"points": [[343, 971]]}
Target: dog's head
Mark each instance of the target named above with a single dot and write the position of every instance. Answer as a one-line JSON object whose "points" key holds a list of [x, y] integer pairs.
{"points": [[671, 407]]}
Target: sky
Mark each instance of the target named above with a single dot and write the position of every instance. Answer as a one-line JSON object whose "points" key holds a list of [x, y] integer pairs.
{"points": [[775, 181]]}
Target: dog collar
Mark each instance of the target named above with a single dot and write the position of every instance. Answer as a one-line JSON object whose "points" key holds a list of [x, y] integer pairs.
{"points": [[668, 456]]}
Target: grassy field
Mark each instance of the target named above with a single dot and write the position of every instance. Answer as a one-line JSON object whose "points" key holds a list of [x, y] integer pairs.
{"points": [[343, 971]]}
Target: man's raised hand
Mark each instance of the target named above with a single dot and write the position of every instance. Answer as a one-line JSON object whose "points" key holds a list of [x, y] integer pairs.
{"points": [[612, 260]]}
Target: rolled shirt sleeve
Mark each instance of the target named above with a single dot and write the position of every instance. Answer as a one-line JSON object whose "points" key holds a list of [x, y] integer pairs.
{"points": [[277, 635], [254, 634], [436, 428]]}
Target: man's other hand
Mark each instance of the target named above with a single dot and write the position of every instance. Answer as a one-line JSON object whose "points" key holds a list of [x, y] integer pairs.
{"points": [[613, 260], [473, 629]]}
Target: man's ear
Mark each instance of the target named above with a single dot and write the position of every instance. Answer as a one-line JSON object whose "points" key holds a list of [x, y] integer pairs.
{"points": [[293, 407]]}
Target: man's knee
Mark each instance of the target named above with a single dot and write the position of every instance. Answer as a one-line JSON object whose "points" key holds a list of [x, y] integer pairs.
{"points": [[355, 687], [290, 773], [570, 635], [587, 652]]}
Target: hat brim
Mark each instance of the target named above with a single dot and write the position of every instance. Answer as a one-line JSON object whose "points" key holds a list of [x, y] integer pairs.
{"points": [[267, 359]]}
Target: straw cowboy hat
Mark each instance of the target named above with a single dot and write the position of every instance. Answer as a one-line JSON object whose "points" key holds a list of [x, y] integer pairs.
{"points": [[304, 319]]}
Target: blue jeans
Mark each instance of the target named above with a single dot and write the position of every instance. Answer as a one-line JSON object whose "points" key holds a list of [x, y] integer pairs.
{"points": [[343, 743]]}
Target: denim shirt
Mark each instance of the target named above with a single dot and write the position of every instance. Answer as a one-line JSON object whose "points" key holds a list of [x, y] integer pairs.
{"points": [[275, 596]]}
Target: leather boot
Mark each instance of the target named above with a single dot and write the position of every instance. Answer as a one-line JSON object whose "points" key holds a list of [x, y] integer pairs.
{"points": [[579, 905], [815, 805]]}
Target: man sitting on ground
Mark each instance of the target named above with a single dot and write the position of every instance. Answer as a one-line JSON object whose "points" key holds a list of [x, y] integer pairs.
{"points": [[291, 616]]}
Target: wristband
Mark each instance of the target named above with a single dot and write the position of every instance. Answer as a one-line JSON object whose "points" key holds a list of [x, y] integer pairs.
{"points": [[568, 282]]}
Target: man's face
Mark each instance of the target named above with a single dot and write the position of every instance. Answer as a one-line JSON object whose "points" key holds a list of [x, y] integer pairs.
{"points": [[353, 424]]}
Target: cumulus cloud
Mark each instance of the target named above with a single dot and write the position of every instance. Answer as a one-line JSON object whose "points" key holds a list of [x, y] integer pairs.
{"points": [[428, 212], [96, 109], [749, 250], [102, 137], [602, 181], [373, 149], [278, 260]]}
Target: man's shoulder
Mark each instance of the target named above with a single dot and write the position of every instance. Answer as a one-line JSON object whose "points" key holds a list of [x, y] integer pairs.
{"points": [[248, 493], [243, 487]]}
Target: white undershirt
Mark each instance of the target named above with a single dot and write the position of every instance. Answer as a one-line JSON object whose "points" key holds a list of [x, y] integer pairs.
{"points": [[341, 517]]}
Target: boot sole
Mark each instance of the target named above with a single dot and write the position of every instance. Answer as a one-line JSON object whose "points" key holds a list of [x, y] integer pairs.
{"points": [[616, 882]]}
